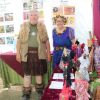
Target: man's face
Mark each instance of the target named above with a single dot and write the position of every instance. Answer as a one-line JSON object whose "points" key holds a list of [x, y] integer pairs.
{"points": [[33, 18]]}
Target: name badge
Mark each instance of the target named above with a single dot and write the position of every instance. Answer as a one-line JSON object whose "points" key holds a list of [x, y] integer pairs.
{"points": [[33, 33]]}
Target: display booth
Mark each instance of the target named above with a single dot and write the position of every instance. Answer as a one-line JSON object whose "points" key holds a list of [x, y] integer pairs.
{"points": [[82, 15]]}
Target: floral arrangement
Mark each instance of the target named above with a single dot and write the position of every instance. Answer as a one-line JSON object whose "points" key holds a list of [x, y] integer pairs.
{"points": [[68, 66]]}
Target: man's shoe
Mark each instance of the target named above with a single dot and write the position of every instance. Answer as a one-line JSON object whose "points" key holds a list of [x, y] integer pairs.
{"points": [[39, 88], [26, 97]]}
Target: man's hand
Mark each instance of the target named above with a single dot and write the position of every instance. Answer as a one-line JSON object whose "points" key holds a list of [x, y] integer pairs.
{"points": [[49, 57], [48, 51], [18, 57]]}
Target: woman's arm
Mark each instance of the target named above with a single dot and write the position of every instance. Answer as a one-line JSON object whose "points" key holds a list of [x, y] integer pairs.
{"points": [[72, 35]]}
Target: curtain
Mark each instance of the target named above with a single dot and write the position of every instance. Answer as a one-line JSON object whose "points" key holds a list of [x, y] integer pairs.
{"points": [[96, 19]]}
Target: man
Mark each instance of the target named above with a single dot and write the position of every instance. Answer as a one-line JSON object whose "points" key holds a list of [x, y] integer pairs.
{"points": [[33, 48]]}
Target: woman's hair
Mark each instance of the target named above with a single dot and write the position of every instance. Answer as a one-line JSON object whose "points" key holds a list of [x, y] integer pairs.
{"points": [[64, 19]]}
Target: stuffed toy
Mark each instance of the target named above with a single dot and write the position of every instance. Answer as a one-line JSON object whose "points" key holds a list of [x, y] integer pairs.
{"points": [[68, 66], [84, 65], [81, 87]]}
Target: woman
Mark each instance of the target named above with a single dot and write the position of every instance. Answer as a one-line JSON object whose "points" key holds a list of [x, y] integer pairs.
{"points": [[62, 37]]}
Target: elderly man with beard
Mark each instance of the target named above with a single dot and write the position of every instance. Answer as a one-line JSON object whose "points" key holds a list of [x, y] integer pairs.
{"points": [[33, 52]]}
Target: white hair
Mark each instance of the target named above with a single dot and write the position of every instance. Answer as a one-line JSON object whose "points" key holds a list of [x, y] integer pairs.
{"points": [[33, 12]]}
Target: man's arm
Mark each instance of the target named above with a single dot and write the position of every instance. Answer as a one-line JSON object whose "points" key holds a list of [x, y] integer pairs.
{"points": [[45, 39], [18, 56], [18, 46], [48, 50]]}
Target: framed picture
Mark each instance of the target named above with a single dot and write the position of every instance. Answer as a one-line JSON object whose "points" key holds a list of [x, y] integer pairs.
{"points": [[71, 21], [57, 10], [1, 18], [41, 14], [2, 40], [68, 10], [10, 40], [34, 5], [25, 15], [2, 30], [8, 16], [25, 6], [40, 4], [9, 28]]}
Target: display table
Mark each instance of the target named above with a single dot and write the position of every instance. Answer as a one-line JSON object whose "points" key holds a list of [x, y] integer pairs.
{"points": [[55, 94], [12, 73], [52, 94]]}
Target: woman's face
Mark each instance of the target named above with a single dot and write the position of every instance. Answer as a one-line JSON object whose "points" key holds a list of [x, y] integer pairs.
{"points": [[33, 18], [59, 22]]}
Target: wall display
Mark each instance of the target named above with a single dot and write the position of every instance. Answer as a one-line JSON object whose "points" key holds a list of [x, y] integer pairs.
{"points": [[11, 16], [7, 22], [26, 9], [30, 5], [10, 21]]}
